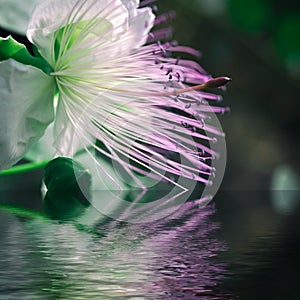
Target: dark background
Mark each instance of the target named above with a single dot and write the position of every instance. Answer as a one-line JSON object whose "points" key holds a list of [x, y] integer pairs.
{"points": [[257, 44]]}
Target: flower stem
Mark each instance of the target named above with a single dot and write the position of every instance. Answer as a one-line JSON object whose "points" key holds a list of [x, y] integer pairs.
{"points": [[24, 168]]}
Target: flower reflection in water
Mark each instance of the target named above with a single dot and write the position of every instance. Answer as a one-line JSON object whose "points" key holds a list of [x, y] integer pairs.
{"points": [[185, 255], [90, 257]]}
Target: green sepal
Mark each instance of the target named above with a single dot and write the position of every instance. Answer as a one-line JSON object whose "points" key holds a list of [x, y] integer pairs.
{"points": [[36, 52], [64, 175], [10, 48]]}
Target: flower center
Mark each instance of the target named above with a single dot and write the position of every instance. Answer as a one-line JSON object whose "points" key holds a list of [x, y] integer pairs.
{"points": [[77, 42]]}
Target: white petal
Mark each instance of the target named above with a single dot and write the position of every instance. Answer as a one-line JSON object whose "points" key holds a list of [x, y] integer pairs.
{"points": [[59, 139], [131, 6], [43, 149], [52, 15], [66, 142], [140, 25], [26, 100], [15, 14], [140, 22]]}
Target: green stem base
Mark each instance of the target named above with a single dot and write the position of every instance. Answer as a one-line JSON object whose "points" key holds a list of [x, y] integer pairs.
{"points": [[24, 168]]}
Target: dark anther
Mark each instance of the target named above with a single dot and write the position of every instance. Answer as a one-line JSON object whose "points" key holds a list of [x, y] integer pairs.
{"points": [[217, 82], [169, 71], [184, 124]]}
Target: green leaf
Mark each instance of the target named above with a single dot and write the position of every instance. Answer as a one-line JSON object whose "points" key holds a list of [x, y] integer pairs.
{"points": [[10, 48]]}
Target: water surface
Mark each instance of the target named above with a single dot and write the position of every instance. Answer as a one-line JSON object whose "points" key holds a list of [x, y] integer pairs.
{"points": [[236, 248]]}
